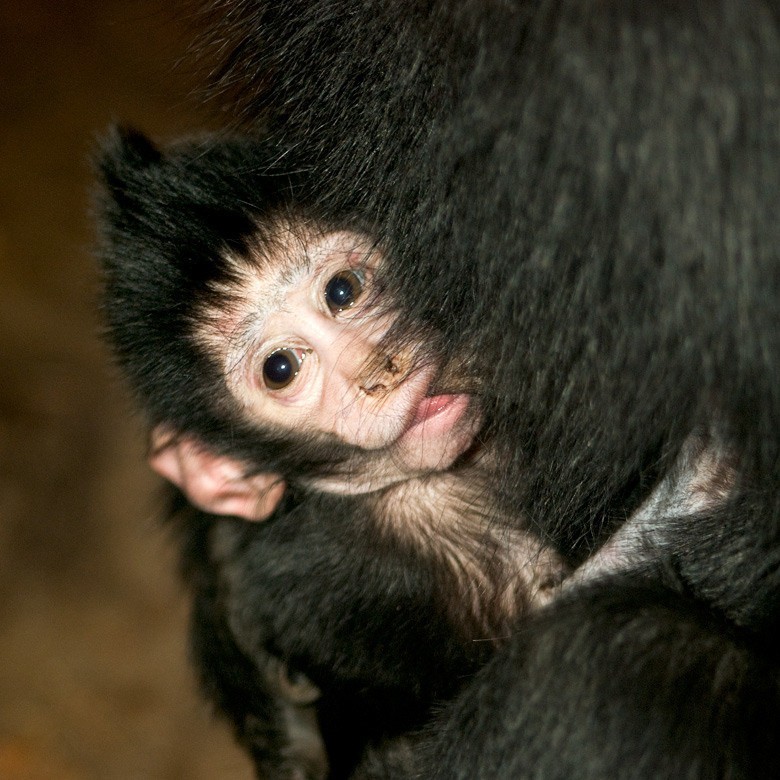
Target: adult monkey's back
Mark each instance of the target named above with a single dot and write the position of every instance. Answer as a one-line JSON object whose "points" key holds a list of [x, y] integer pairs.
{"points": [[588, 194]]}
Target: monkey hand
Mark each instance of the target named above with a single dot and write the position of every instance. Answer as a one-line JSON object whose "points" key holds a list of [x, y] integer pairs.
{"points": [[214, 483]]}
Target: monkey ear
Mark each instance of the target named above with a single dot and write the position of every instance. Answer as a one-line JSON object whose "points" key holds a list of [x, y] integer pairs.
{"points": [[214, 483], [121, 162], [122, 153], [128, 146]]}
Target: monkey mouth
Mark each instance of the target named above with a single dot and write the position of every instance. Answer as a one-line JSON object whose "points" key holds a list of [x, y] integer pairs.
{"points": [[431, 406], [436, 415]]}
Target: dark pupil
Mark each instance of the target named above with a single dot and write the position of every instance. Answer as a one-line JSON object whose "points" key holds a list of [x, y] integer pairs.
{"points": [[342, 290], [280, 369]]}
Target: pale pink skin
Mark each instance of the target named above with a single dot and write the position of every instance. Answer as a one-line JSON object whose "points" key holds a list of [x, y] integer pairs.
{"points": [[338, 394]]}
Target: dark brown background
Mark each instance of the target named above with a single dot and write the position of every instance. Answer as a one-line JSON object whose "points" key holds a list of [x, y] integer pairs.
{"points": [[94, 681]]}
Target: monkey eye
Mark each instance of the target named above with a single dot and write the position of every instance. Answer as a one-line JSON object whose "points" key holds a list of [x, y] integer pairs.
{"points": [[280, 368], [343, 290]]}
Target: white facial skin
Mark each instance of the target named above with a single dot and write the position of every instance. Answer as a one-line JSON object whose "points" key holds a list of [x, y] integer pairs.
{"points": [[325, 377]]}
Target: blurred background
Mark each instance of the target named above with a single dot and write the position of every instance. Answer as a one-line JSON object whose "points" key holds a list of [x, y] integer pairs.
{"points": [[94, 677]]}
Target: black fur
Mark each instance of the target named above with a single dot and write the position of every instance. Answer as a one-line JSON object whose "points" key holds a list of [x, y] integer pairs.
{"points": [[335, 600], [583, 197], [628, 680]]}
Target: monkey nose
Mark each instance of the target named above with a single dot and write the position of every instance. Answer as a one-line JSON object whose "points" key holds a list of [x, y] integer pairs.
{"points": [[383, 376], [375, 389]]}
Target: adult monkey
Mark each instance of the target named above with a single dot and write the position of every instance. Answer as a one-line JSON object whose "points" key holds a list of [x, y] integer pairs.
{"points": [[601, 179]]}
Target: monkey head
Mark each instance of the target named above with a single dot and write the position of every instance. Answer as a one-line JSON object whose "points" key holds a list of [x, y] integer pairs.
{"points": [[250, 321]]}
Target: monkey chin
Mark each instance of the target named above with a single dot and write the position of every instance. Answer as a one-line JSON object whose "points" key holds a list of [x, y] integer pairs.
{"points": [[442, 429]]}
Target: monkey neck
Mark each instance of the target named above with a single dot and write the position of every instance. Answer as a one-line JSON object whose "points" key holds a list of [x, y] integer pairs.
{"points": [[366, 473]]}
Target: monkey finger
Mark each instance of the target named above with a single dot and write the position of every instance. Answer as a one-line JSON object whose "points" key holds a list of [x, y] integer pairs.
{"points": [[164, 459], [251, 498], [161, 436], [270, 491]]}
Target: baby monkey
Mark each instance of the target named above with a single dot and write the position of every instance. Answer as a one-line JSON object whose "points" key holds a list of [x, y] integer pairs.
{"points": [[259, 329], [262, 339]]}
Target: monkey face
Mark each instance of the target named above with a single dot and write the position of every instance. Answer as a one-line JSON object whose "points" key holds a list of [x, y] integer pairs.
{"points": [[302, 350]]}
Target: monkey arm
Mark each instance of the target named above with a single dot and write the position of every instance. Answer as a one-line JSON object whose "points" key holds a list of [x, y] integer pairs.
{"points": [[622, 678]]}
